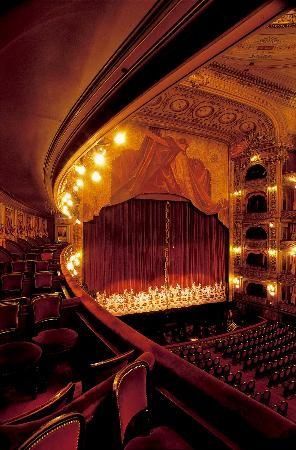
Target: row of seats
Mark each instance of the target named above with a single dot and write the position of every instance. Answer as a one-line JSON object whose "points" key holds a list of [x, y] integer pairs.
{"points": [[265, 368], [255, 337], [15, 284], [282, 376], [249, 350], [260, 355], [275, 359], [25, 355], [133, 428], [30, 272], [255, 361]]}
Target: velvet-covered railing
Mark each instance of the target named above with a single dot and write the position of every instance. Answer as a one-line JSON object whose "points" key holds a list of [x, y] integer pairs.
{"points": [[125, 246]]}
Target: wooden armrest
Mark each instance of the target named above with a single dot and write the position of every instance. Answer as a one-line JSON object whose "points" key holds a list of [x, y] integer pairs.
{"points": [[106, 363]]}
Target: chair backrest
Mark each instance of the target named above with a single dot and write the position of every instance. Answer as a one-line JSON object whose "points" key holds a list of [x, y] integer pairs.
{"points": [[32, 256], [12, 282], [55, 403], [19, 266], [46, 308], [41, 266], [63, 432], [43, 280], [131, 393], [8, 317], [46, 256]]}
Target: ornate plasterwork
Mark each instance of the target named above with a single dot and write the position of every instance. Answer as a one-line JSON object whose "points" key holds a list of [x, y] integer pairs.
{"points": [[191, 110], [285, 21], [245, 78]]}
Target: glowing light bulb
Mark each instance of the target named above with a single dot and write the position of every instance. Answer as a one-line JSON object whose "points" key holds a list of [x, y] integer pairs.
{"points": [[255, 158], [75, 188], [65, 210], [96, 177], [78, 222], [70, 266], [80, 169], [66, 197], [70, 202], [99, 159], [236, 250], [271, 289], [79, 182], [120, 138]]}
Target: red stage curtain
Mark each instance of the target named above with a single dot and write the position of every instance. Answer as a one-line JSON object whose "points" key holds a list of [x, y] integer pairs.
{"points": [[124, 246], [198, 250]]}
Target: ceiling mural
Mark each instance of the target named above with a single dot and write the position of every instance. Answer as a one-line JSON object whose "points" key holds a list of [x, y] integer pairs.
{"points": [[152, 162]]}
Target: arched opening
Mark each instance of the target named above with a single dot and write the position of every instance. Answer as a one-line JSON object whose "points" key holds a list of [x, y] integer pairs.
{"points": [[257, 260], [256, 290], [256, 172], [256, 233], [257, 204], [290, 163]]}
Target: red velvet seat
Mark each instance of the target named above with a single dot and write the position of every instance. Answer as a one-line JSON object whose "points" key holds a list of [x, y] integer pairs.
{"points": [[56, 340], [46, 309], [16, 356], [131, 393], [43, 280], [12, 283], [160, 438], [46, 256], [41, 266], [19, 266], [8, 317], [63, 432]]}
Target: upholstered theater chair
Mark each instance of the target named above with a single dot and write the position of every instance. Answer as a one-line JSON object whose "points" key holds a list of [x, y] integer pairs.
{"points": [[19, 266], [41, 266], [32, 256], [131, 395], [12, 284], [64, 432], [17, 357], [42, 282], [53, 341], [46, 256]]}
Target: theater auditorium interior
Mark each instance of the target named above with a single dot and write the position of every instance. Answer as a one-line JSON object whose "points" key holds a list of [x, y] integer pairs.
{"points": [[147, 225]]}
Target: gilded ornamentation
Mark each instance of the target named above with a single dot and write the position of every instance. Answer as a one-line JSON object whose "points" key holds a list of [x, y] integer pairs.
{"points": [[285, 21], [187, 109]]}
